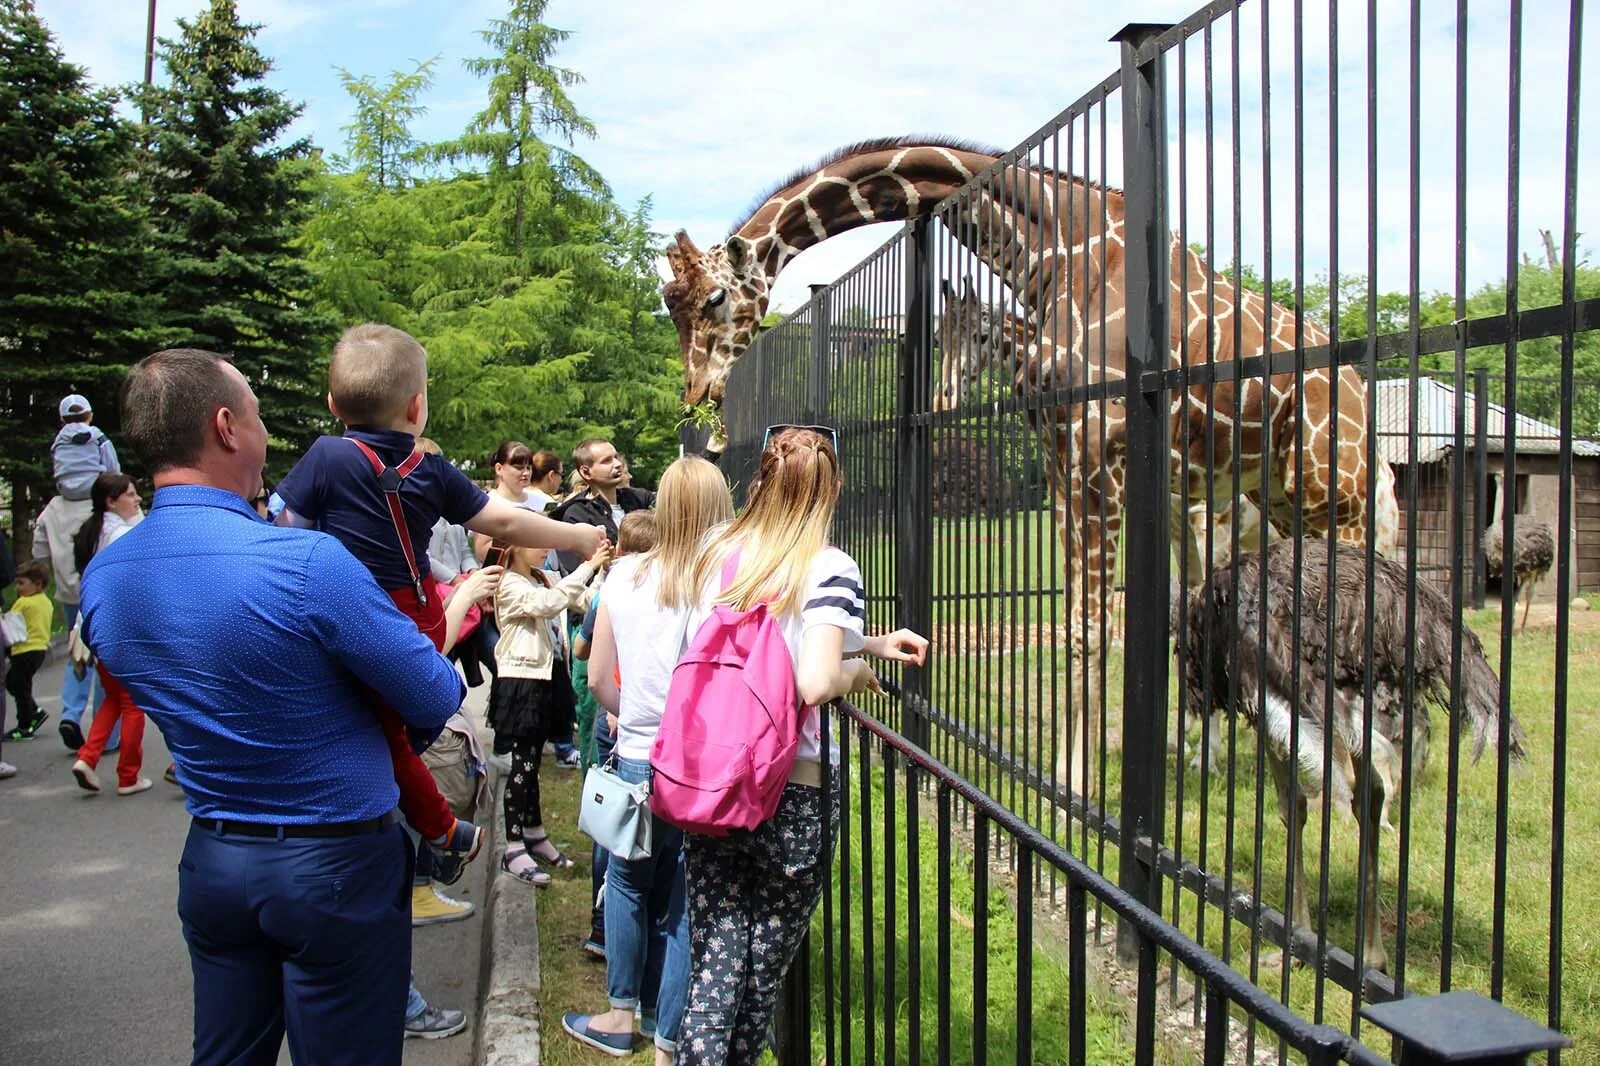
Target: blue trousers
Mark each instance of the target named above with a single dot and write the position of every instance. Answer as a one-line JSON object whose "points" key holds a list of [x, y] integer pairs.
{"points": [[305, 936], [647, 926]]}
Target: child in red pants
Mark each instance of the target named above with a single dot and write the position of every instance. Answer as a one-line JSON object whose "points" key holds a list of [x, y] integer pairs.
{"points": [[118, 707], [380, 497]]}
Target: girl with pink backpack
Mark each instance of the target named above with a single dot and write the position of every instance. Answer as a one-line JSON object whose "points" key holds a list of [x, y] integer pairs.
{"points": [[753, 849]]}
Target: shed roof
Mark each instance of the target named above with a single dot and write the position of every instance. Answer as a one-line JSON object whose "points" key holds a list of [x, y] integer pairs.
{"points": [[1436, 424]]}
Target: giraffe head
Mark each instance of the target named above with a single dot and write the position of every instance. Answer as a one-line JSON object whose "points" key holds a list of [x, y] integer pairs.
{"points": [[716, 299], [969, 340]]}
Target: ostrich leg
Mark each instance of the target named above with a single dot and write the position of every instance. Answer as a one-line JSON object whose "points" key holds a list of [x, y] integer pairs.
{"points": [[1527, 603], [1292, 811], [1371, 827]]}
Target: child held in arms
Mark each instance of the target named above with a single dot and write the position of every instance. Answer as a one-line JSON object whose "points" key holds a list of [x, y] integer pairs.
{"points": [[380, 497]]}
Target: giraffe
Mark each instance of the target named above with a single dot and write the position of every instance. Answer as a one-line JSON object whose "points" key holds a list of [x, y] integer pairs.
{"points": [[1057, 241], [974, 335]]}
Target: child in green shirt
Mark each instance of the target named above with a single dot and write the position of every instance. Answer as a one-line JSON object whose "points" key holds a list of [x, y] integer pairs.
{"points": [[28, 655]]}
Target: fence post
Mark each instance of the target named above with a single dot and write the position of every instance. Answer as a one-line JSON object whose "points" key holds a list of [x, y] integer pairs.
{"points": [[914, 545], [1146, 531], [1480, 484], [819, 369], [791, 1022]]}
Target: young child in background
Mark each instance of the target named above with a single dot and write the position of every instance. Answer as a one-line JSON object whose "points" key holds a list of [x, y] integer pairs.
{"points": [[530, 698], [81, 452], [597, 730], [380, 497], [28, 654]]}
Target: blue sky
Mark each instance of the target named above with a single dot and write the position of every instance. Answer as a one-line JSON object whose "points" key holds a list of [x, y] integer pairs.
{"points": [[704, 103]]}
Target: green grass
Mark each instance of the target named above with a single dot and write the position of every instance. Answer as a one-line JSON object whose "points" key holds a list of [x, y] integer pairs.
{"points": [[1106, 1040]]}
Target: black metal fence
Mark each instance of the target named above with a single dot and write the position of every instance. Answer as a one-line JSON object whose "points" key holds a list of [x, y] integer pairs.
{"points": [[1093, 449]]}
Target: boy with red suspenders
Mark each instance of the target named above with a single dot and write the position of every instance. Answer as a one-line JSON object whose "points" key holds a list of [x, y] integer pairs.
{"points": [[380, 497]]}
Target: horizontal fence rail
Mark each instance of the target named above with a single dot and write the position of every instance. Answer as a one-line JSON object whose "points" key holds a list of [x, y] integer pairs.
{"points": [[1238, 462]]}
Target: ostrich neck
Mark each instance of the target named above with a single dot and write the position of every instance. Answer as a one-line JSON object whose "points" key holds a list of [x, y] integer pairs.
{"points": [[880, 185]]}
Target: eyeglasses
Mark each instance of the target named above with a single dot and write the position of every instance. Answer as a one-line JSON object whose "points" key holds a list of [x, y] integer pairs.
{"points": [[825, 431]]}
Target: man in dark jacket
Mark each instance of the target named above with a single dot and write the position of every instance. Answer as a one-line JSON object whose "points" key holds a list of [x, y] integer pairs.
{"points": [[605, 501]]}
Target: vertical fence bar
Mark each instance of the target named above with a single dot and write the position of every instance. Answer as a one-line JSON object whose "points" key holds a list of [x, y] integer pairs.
{"points": [[1480, 488], [819, 367], [942, 993], [914, 550], [1145, 659]]}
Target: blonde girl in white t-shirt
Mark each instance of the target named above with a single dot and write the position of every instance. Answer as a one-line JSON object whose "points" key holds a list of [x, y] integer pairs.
{"points": [[751, 894]]}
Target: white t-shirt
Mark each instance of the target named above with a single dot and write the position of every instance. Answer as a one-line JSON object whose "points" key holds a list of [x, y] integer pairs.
{"points": [[649, 640], [539, 500], [833, 597]]}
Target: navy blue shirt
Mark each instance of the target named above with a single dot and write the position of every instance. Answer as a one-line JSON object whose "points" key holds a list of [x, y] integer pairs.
{"points": [[253, 647], [334, 488]]}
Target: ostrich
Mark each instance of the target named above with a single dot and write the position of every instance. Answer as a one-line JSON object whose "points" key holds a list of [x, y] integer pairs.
{"points": [[1534, 548], [1229, 603]]}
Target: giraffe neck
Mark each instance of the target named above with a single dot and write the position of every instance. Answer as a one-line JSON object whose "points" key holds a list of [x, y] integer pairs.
{"points": [[875, 183]]}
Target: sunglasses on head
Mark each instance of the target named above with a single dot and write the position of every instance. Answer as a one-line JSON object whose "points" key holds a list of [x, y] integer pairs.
{"points": [[829, 432]]}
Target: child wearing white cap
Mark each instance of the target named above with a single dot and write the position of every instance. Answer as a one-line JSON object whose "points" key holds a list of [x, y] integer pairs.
{"points": [[80, 452]]}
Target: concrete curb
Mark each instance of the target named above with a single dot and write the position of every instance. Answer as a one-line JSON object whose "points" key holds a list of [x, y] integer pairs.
{"points": [[508, 1009]]}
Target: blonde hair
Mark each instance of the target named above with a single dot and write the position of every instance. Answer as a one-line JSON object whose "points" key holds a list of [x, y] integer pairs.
{"points": [[429, 446], [374, 372], [638, 532], [692, 499], [783, 527]]}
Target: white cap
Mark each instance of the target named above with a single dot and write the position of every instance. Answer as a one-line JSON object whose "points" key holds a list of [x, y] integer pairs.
{"points": [[74, 405]]}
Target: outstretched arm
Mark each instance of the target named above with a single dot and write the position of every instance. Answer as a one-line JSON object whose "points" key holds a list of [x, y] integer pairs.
{"points": [[901, 646], [479, 584], [519, 526]]}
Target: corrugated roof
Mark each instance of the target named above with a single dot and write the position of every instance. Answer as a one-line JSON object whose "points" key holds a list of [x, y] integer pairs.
{"points": [[1436, 424]]}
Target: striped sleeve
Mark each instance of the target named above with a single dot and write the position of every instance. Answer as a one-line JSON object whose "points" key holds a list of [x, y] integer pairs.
{"points": [[836, 598]]}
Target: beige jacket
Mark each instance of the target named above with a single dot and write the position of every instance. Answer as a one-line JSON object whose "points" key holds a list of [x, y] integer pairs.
{"points": [[524, 609]]}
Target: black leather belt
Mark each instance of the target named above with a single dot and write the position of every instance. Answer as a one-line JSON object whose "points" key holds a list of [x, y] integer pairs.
{"points": [[322, 829]]}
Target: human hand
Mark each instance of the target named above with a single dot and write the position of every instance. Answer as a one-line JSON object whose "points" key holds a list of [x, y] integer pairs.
{"points": [[864, 679], [481, 584], [611, 723], [586, 540], [601, 557], [901, 646]]}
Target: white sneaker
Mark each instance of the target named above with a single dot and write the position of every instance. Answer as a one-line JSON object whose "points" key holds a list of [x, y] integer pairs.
{"points": [[7, 770], [88, 780], [138, 786]]}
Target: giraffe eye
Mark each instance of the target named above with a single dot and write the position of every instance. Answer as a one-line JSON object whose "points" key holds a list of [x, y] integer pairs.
{"points": [[717, 297]]}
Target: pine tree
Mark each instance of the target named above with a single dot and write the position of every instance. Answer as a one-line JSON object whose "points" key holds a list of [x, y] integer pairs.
{"points": [[228, 192], [69, 240]]}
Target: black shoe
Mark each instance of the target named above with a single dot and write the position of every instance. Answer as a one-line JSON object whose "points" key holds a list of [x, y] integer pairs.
{"points": [[71, 734], [33, 726]]}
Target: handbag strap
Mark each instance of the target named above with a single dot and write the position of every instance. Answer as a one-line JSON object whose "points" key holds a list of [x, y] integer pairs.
{"points": [[389, 479]]}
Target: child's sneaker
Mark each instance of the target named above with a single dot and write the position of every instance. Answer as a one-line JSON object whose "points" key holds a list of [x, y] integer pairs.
{"points": [[429, 906], [461, 842], [33, 726], [7, 770]]}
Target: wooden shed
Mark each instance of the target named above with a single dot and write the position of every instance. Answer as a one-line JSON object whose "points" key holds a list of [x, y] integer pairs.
{"points": [[1432, 468]]}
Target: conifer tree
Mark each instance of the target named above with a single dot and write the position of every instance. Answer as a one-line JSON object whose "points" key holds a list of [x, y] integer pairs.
{"points": [[69, 249], [228, 191]]}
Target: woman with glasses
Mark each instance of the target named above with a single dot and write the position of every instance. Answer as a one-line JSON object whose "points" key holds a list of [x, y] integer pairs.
{"points": [[751, 893]]}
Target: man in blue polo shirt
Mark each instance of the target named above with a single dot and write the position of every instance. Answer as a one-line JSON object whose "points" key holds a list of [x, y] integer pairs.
{"points": [[254, 648]]}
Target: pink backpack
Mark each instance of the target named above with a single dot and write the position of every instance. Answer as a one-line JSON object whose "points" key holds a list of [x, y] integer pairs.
{"points": [[731, 726]]}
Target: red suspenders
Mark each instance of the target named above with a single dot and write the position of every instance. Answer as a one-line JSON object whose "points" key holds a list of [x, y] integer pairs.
{"points": [[389, 479]]}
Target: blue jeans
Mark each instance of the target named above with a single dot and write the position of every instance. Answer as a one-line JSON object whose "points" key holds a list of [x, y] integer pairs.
{"points": [[78, 695], [306, 935], [647, 926], [415, 1004]]}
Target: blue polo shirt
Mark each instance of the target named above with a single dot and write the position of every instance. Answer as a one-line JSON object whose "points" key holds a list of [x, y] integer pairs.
{"points": [[334, 488], [256, 649]]}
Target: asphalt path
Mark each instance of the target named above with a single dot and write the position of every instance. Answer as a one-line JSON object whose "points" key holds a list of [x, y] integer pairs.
{"points": [[93, 967]]}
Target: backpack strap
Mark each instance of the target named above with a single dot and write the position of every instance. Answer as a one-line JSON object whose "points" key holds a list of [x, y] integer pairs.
{"points": [[389, 479]]}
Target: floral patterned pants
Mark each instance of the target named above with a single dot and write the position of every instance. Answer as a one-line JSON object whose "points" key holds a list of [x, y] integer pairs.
{"points": [[751, 897]]}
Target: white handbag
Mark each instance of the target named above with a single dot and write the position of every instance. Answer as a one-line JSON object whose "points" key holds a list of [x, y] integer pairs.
{"points": [[616, 813], [13, 627]]}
